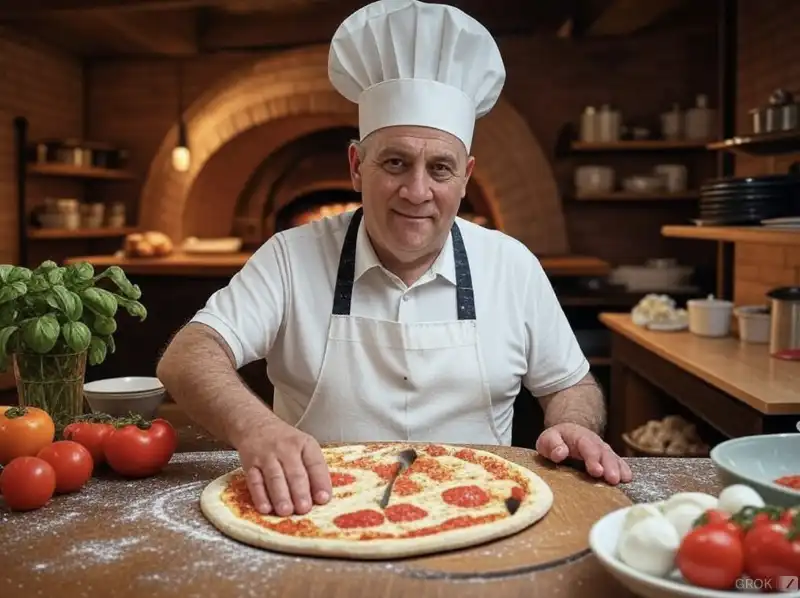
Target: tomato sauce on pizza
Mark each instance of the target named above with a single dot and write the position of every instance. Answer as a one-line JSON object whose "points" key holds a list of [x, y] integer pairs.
{"points": [[446, 488]]}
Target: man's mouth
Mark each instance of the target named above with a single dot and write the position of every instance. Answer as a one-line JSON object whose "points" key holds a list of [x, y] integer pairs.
{"points": [[411, 216]]}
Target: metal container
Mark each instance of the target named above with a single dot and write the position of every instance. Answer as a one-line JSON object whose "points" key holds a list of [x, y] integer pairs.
{"points": [[784, 341]]}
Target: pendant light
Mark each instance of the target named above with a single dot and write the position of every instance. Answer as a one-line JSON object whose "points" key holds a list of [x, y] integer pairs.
{"points": [[181, 156]]}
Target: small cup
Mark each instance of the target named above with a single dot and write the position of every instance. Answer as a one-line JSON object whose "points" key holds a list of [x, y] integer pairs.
{"points": [[710, 317]]}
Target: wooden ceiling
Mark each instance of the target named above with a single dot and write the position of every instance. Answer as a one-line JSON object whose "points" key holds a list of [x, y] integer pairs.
{"points": [[112, 28]]}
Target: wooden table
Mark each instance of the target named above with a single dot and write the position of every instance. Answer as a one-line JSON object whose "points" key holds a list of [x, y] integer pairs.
{"points": [[735, 387], [120, 539]]}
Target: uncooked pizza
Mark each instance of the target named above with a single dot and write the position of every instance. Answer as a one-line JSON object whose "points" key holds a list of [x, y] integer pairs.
{"points": [[450, 497]]}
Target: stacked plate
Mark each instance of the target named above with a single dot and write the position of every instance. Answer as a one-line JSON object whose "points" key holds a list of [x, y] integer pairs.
{"points": [[740, 201], [118, 397]]}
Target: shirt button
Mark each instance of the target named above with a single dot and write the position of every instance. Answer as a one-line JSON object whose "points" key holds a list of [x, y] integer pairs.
{"points": [[405, 297]]}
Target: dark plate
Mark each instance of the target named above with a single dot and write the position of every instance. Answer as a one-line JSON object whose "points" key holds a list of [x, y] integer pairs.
{"points": [[775, 179], [750, 191]]}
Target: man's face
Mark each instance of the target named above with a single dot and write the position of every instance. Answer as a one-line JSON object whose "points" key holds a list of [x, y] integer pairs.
{"points": [[411, 180]]}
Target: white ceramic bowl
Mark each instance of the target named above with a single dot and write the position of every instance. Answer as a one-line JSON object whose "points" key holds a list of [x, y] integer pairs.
{"points": [[758, 461], [126, 385], [130, 394], [709, 317], [603, 539]]}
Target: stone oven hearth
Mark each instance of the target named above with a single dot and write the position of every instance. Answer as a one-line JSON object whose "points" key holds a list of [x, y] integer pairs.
{"points": [[269, 150]]}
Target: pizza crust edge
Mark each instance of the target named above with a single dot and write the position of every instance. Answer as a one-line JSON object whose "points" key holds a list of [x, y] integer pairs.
{"points": [[252, 534]]}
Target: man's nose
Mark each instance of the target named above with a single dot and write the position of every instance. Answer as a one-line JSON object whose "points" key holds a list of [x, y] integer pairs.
{"points": [[417, 187]]}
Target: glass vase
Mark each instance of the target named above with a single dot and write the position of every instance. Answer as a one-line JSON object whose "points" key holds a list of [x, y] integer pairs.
{"points": [[52, 382]]}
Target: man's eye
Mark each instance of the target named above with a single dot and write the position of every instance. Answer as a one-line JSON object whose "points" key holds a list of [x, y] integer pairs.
{"points": [[394, 163]]}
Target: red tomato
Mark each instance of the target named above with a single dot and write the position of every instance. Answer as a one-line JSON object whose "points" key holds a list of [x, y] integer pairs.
{"points": [[72, 462], [24, 431], [92, 435], [711, 556], [720, 519], [141, 449], [771, 551], [27, 483]]}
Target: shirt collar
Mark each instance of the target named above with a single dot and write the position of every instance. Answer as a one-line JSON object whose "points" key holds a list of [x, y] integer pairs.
{"points": [[367, 259]]}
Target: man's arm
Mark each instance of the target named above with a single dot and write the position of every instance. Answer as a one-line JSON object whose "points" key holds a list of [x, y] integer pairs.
{"points": [[582, 404], [198, 369]]}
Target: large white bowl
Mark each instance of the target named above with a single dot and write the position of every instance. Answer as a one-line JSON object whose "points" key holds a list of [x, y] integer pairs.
{"points": [[758, 461], [603, 539]]}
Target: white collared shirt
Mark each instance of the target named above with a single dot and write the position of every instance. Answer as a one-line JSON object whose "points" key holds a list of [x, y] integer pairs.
{"points": [[279, 305]]}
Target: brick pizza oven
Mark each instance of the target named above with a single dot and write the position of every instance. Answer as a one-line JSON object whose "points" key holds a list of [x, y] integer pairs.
{"points": [[269, 151]]}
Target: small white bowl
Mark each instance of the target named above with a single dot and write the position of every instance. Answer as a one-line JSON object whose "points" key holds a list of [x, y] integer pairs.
{"points": [[603, 538], [119, 397], [754, 323], [124, 386], [709, 317]]}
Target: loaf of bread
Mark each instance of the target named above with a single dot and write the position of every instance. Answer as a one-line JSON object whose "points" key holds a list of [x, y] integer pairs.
{"points": [[148, 244]]}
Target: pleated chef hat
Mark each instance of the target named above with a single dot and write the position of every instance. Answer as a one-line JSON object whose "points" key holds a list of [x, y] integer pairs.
{"points": [[407, 62]]}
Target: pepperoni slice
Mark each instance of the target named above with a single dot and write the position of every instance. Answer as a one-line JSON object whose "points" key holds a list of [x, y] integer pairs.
{"points": [[404, 512], [406, 487], [465, 496], [518, 493], [435, 450], [342, 479], [386, 470], [363, 518]]}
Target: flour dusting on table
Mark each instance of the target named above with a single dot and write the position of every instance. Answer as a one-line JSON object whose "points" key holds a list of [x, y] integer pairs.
{"points": [[118, 534]]}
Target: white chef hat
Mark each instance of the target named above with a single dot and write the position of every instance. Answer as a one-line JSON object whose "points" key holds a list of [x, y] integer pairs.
{"points": [[407, 62]]}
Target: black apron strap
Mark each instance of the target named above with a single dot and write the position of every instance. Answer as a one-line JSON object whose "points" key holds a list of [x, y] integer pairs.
{"points": [[343, 293]]}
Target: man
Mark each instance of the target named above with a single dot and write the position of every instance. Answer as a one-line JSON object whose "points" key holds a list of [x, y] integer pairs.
{"points": [[398, 321]]}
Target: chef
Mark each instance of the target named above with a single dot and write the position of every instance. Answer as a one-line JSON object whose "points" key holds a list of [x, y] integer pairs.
{"points": [[398, 321]]}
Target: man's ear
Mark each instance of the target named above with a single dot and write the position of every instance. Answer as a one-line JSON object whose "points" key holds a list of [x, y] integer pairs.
{"points": [[354, 158], [468, 174]]}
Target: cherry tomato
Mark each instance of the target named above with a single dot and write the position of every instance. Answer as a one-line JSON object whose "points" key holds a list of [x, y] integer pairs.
{"points": [[27, 483], [711, 556], [771, 551], [142, 448], [92, 435], [71, 461], [720, 519], [24, 431]]}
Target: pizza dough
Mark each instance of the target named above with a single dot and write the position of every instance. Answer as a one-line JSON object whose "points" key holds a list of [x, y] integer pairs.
{"points": [[451, 497]]}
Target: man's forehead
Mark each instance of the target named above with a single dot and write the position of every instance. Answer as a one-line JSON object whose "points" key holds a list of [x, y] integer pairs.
{"points": [[417, 140]]}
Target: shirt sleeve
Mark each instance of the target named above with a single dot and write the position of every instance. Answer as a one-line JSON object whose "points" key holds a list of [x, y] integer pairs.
{"points": [[555, 359], [248, 312]]}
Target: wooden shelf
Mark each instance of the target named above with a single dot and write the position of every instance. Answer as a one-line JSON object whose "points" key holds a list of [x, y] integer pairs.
{"points": [[630, 196], [79, 233], [638, 145], [734, 234], [599, 361], [84, 172], [766, 144], [229, 263]]}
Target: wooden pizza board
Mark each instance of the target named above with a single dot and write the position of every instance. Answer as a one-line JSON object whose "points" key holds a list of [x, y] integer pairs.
{"points": [[561, 537]]}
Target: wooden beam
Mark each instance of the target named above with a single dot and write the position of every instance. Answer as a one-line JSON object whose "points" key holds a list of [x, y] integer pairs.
{"points": [[624, 17], [169, 33], [16, 9]]}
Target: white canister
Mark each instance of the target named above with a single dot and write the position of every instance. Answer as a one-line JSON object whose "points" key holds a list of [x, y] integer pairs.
{"points": [[754, 323], [710, 317]]}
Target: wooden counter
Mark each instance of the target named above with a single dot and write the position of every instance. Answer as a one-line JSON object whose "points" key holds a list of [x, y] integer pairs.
{"points": [[735, 387], [128, 538], [228, 264]]}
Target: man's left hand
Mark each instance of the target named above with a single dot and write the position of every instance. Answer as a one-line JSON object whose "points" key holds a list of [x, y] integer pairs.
{"points": [[571, 440]]}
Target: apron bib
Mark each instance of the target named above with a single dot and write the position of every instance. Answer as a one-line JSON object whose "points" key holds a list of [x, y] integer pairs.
{"points": [[390, 381]]}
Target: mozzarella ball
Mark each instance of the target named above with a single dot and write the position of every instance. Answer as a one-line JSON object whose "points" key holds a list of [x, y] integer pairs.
{"points": [[650, 546], [683, 516], [638, 513], [734, 498], [699, 499]]}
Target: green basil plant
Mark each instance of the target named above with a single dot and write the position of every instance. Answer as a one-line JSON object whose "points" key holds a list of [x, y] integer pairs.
{"points": [[63, 309]]}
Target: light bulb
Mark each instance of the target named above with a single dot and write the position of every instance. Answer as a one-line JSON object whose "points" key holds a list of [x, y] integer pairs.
{"points": [[181, 158]]}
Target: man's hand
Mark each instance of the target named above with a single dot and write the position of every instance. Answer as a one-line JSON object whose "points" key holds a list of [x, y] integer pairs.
{"points": [[285, 468], [571, 440]]}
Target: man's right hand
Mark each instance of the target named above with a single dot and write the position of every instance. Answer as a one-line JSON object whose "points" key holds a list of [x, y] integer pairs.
{"points": [[285, 469]]}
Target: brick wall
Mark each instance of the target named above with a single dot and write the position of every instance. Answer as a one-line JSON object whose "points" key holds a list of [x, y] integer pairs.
{"points": [[46, 87], [768, 38], [549, 82]]}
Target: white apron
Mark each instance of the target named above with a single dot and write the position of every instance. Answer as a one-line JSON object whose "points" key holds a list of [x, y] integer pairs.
{"points": [[389, 381]]}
